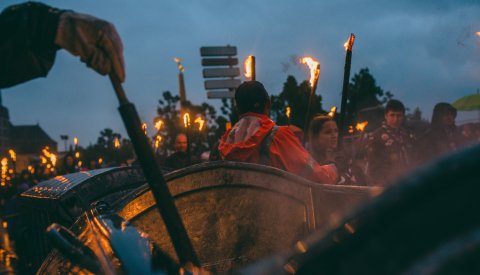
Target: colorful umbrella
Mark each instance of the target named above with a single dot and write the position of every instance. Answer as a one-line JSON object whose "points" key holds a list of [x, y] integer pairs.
{"points": [[468, 103]]}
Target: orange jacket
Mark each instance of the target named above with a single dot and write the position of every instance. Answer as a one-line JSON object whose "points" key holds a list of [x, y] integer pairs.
{"points": [[243, 143]]}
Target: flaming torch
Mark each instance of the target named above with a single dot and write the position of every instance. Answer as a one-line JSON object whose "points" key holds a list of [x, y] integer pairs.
{"points": [[346, 76], [314, 67], [158, 139], [75, 142], [201, 123], [288, 113], [249, 66], [361, 126], [158, 124], [186, 124], [13, 156], [181, 82], [332, 112], [116, 143]]}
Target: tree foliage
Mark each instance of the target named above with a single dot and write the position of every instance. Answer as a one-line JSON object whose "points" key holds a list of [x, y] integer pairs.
{"points": [[201, 139], [364, 94], [295, 96]]}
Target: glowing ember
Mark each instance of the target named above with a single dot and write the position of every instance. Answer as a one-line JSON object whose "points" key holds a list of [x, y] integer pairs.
{"points": [[200, 122], [158, 124], [179, 64], [350, 129], [144, 127], [332, 112], [75, 141], [13, 155], [314, 67], [349, 43], [361, 126], [247, 64], [288, 112], [116, 143], [186, 120]]}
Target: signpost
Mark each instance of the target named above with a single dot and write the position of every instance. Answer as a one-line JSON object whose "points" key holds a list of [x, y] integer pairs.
{"points": [[221, 71]]}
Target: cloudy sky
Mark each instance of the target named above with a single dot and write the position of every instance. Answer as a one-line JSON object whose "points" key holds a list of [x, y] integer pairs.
{"points": [[423, 52]]}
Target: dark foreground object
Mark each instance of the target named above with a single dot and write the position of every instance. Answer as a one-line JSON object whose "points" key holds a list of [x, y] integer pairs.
{"points": [[426, 224], [235, 213], [238, 215]]}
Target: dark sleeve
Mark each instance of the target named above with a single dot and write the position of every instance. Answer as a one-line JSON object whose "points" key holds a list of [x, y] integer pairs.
{"points": [[27, 48]]}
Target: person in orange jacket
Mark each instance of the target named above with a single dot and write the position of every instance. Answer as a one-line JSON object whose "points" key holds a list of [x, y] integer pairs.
{"points": [[255, 138]]}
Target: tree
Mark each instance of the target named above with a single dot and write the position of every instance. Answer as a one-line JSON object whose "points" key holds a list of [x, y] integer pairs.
{"points": [[364, 95], [173, 124], [110, 147], [295, 96]]}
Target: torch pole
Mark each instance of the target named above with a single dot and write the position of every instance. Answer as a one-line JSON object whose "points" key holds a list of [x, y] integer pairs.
{"points": [[164, 201], [254, 71], [187, 130], [309, 106], [346, 78]]}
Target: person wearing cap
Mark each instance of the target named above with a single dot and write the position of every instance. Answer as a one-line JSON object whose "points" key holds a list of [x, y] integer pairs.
{"points": [[31, 33], [443, 136], [255, 138], [389, 148]]}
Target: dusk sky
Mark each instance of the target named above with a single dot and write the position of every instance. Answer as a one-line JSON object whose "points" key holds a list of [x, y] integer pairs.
{"points": [[424, 52]]}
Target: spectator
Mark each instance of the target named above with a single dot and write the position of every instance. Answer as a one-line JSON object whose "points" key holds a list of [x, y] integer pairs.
{"points": [[389, 148], [256, 138]]}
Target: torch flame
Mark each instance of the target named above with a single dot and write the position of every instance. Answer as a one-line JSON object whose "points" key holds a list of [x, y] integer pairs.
{"points": [[332, 112], [186, 120], [77, 155], [248, 66], [13, 155], [314, 67], [361, 126], [228, 126], [144, 127], [349, 43], [158, 124], [200, 122], [158, 139], [53, 159], [116, 143], [179, 64], [288, 112], [75, 141], [350, 129], [100, 160], [478, 34], [4, 162]]}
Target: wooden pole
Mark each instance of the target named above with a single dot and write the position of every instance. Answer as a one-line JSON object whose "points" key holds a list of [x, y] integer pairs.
{"points": [[346, 79]]}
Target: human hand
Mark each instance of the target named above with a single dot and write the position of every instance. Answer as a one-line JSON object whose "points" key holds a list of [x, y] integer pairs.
{"points": [[96, 42]]}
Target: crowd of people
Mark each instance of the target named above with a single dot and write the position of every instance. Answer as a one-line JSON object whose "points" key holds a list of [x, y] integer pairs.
{"points": [[376, 158]]}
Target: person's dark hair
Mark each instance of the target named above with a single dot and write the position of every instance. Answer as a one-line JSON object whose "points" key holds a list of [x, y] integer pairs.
{"points": [[251, 96], [316, 125], [440, 110], [394, 106]]}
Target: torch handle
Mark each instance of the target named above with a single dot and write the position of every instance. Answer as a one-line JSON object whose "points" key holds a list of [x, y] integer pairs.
{"points": [[155, 179], [343, 106]]}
